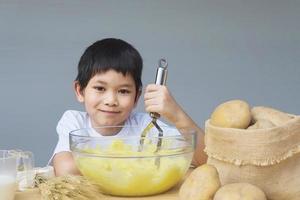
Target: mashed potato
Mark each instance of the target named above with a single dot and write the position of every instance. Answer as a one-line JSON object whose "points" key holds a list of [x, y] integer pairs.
{"points": [[133, 176]]}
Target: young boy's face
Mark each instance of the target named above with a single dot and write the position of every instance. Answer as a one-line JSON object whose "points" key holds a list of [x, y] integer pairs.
{"points": [[109, 98]]}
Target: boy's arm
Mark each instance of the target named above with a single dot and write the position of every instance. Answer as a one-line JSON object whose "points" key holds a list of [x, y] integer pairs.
{"points": [[158, 99], [63, 163], [184, 122]]}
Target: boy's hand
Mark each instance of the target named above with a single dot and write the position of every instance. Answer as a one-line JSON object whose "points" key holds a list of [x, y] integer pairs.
{"points": [[158, 99]]}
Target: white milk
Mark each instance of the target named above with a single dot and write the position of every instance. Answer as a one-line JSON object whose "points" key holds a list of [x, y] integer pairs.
{"points": [[8, 187]]}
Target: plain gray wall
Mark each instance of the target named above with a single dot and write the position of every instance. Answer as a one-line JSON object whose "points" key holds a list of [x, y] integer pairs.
{"points": [[217, 50]]}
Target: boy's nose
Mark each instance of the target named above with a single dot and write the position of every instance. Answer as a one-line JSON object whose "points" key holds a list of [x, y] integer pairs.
{"points": [[111, 100]]}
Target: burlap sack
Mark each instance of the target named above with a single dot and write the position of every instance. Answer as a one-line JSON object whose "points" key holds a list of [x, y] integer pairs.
{"points": [[268, 158]]}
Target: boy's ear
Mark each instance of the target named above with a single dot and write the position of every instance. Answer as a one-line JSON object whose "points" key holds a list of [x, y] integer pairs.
{"points": [[78, 91], [137, 96]]}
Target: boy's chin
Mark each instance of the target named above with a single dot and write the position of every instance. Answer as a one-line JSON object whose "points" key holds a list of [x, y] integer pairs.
{"points": [[109, 129], [110, 123]]}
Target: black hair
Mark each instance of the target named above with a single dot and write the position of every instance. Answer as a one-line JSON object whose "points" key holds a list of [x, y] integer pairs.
{"points": [[107, 54]]}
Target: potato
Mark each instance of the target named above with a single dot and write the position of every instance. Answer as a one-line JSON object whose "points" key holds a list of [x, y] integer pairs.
{"points": [[201, 184], [261, 124], [240, 191], [277, 117], [232, 114]]}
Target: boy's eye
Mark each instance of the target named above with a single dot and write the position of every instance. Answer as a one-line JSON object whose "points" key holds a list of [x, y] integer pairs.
{"points": [[99, 88], [124, 91]]}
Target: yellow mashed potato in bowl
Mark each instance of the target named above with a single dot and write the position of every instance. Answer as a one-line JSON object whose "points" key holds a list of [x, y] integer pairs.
{"points": [[120, 168]]}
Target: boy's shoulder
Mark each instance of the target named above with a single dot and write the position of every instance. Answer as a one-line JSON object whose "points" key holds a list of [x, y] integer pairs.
{"points": [[74, 114], [73, 118]]}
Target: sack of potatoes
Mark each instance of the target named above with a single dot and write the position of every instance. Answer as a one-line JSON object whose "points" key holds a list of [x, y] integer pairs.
{"points": [[255, 145]]}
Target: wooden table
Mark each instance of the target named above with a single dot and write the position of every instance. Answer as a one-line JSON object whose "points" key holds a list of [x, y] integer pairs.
{"points": [[172, 194], [33, 194]]}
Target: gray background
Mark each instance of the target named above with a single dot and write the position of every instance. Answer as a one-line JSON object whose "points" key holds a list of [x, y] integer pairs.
{"points": [[217, 51]]}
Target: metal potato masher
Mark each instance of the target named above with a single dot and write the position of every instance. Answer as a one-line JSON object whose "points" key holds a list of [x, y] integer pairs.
{"points": [[161, 78]]}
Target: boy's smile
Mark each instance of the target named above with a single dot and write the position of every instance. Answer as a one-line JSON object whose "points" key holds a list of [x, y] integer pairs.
{"points": [[110, 112], [109, 98]]}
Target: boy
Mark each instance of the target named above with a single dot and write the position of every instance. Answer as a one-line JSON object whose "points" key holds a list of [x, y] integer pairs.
{"points": [[109, 85]]}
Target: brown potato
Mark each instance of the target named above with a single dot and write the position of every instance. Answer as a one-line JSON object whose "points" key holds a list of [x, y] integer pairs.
{"points": [[276, 117], [232, 114], [240, 191], [201, 184], [261, 124]]}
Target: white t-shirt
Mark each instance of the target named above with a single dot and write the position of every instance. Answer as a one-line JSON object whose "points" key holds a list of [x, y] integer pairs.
{"points": [[73, 120]]}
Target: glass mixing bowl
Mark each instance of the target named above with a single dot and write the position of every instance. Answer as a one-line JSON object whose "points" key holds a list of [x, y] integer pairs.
{"points": [[121, 167]]}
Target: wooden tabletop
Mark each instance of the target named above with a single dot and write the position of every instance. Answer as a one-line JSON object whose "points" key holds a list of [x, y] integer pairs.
{"points": [[33, 194], [169, 195], [172, 194]]}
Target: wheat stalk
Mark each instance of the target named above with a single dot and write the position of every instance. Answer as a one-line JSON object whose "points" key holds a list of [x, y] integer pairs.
{"points": [[68, 188]]}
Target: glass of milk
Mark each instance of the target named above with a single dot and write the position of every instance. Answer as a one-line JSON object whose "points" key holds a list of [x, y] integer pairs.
{"points": [[8, 172], [25, 169]]}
